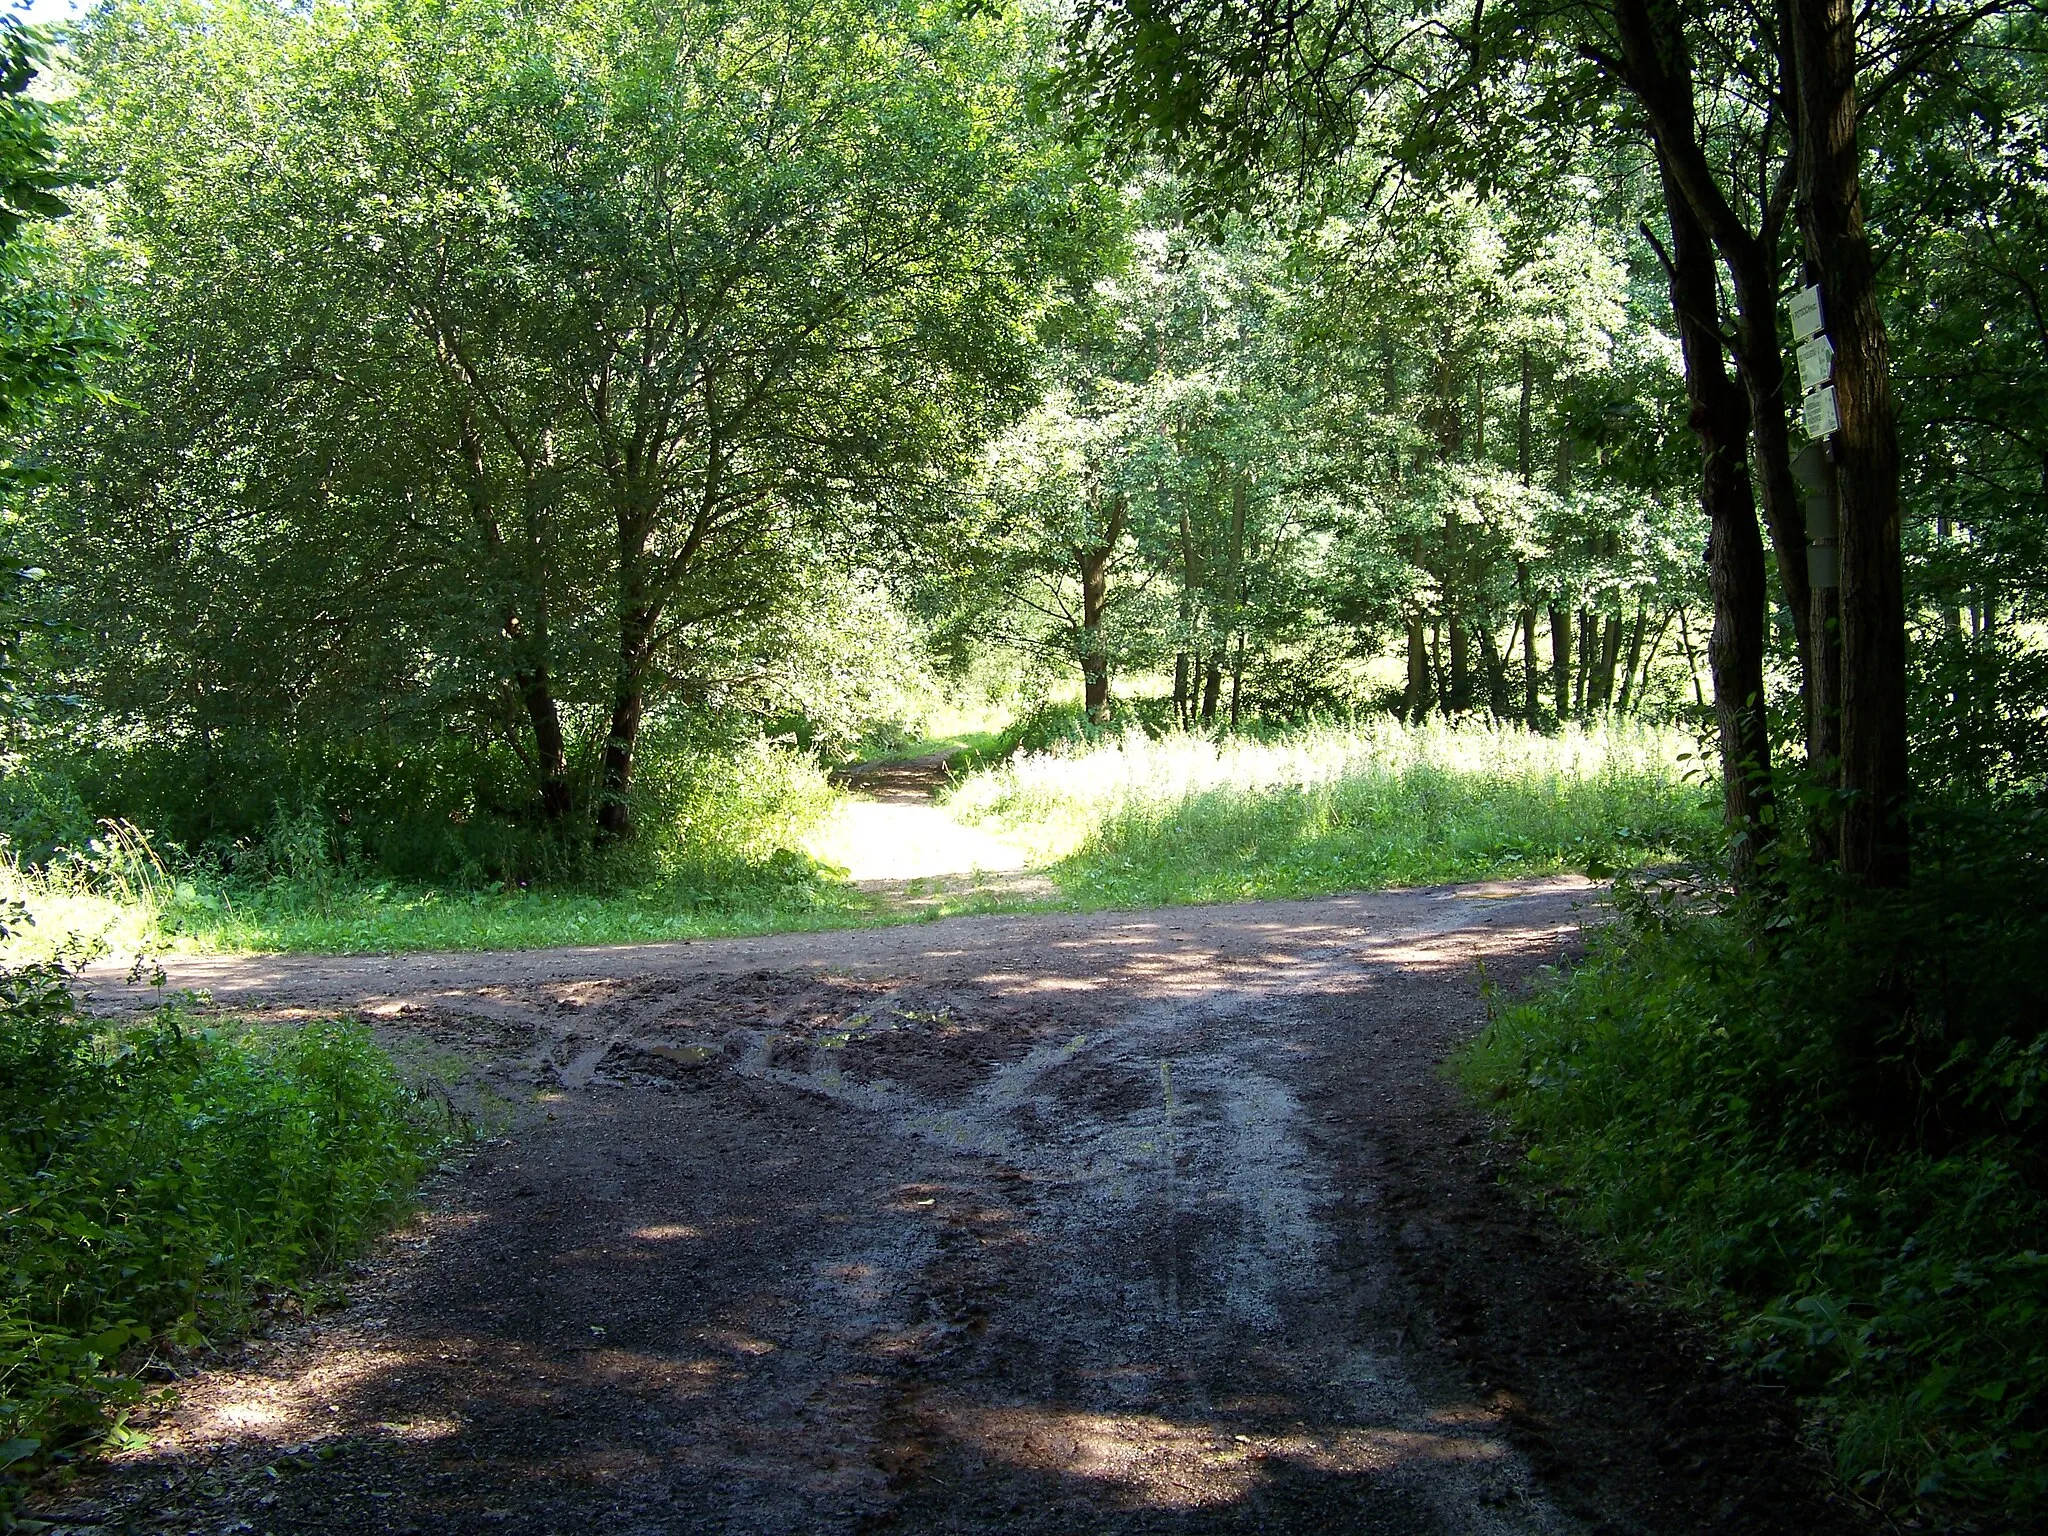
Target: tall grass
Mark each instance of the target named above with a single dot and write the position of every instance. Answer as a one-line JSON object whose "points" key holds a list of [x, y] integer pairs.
{"points": [[1188, 818]]}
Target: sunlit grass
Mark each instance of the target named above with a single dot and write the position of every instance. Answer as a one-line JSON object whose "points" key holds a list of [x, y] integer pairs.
{"points": [[1130, 823], [1188, 819]]}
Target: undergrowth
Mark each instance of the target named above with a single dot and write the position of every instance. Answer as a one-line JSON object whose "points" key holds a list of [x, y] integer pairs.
{"points": [[1822, 1125], [160, 1182]]}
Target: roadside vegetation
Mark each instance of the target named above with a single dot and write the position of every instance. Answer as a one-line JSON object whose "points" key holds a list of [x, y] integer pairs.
{"points": [[164, 1183], [1863, 1217]]}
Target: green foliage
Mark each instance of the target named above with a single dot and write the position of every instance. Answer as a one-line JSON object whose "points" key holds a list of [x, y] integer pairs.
{"points": [[351, 862], [158, 1182], [515, 374], [1828, 1136]]}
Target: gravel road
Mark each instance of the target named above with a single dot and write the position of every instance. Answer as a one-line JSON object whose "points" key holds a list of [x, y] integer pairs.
{"points": [[1112, 1223]]}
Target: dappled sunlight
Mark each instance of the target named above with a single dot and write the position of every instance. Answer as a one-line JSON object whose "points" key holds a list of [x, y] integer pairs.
{"points": [[1153, 1461]]}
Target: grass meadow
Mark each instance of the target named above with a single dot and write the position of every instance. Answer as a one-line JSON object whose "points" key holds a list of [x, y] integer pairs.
{"points": [[1126, 822], [1141, 822]]}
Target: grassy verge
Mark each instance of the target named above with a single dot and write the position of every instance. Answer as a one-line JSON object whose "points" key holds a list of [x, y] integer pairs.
{"points": [[1185, 819], [1858, 1206], [159, 1183]]}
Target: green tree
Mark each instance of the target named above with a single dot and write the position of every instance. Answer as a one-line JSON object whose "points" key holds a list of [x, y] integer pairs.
{"points": [[524, 356]]}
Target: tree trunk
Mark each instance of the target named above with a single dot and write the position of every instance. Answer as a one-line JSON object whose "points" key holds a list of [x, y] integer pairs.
{"points": [[1180, 689], [1094, 654], [1951, 614], [1586, 634], [1530, 716], [1735, 551], [1610, 659], [1212, 688], [1461, 666], [629, 706], [1635, 654], [1874, 834], [1094, 561], [1236, 679], [1692, 660], [1561, 662], [1495, 664], [1420, 694], [551, 752], [1761, 363]]}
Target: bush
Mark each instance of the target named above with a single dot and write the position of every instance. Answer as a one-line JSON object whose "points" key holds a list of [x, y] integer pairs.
{"points": [[158, 1183], [1823, 1124]]}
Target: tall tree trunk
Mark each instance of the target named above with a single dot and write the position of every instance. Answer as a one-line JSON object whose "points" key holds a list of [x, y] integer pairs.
{"points": [[1094, 562], [1640, 661], [1420, 694], [1735, 551], [1951, 614], [1496, 668], [1610, 659], [1874, 834], [629, 707], [1561, 662], [1531, 716], [1212, 687], [1180, 688], [550, 750], [1436, 663], [1586, 633], [1236, 679], [1094, 658], [1635, 653], [1461, 665]]}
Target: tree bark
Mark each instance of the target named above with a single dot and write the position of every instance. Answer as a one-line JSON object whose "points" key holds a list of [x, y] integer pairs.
{"points": [[1874, 834], [1420, 694], [1094, 561], [1561, 662], [629, 709], [1461, 666], [1657, 65], [1635, 654], [1735, 552]]}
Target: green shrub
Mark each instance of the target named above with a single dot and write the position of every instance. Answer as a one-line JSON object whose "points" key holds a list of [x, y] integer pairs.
{"points": [[1823, 1124], [159, 1182]]}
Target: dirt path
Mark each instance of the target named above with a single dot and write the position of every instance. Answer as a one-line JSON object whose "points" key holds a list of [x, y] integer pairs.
{"points": [[1110, 1223], [897, 843]]}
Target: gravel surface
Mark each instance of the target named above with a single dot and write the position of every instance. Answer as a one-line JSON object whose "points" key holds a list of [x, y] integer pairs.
{"points": [[1109, 1223]]}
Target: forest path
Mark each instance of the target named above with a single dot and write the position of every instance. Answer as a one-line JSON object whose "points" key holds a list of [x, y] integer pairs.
{"points": [[1138, 1222], [898, 844]]}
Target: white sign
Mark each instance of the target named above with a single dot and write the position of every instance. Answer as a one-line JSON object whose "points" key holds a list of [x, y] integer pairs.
{"points": [[1816, 362], [1806, 318], [1817, 413]]}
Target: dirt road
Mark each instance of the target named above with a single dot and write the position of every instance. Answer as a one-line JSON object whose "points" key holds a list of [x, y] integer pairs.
{"points": [[1112, 1223]]}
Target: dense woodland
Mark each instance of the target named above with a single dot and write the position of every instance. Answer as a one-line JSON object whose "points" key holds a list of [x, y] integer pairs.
{"points": [[437, 429]]}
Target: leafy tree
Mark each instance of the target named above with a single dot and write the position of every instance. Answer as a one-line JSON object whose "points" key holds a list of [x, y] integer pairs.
{"points": [[504, 363]]}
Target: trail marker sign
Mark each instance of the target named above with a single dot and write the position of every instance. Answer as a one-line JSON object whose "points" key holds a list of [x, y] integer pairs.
{"points": [[1817, 413], [1806, 316], [1816, 362]]}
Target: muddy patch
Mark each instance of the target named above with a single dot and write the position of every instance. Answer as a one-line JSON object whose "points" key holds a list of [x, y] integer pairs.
{"points": [[1161, 1222]]}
